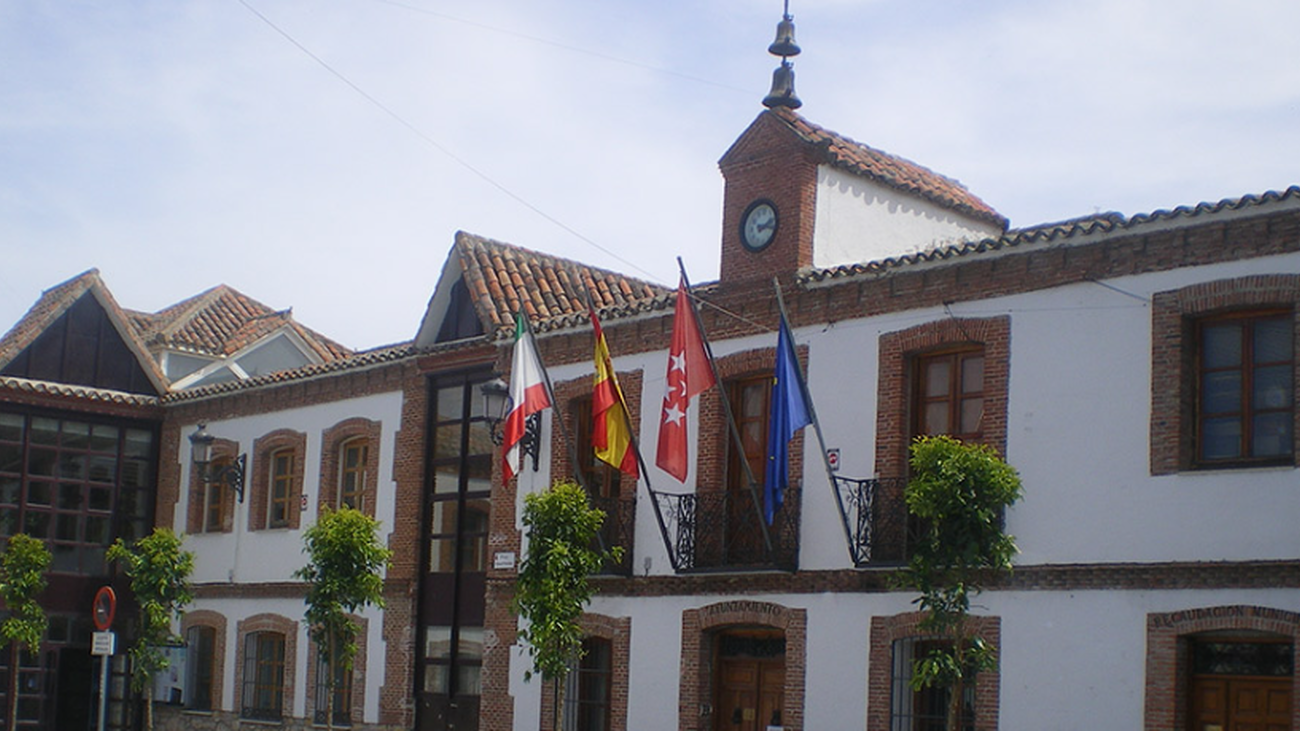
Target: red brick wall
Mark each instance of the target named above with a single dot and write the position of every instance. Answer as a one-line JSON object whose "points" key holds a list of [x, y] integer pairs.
{"points": [[258, 479], [618, 630], [217, 621], [358, 673], [268, 623], [194, 517], [1173, 418], [768, 162], [332, 440], [700, 626], [893, 401]]}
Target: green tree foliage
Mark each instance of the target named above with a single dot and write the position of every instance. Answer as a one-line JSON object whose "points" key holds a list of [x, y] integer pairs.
{"points": [[345, 561], [22, 579], [160, 580], [553, 586], [959, 492]]}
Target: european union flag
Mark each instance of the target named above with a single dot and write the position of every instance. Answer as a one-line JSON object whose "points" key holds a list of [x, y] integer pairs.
{"points": [[790, 413]]}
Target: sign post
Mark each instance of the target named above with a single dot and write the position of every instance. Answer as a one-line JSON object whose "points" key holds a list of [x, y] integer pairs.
{"points": [[103, 643]]}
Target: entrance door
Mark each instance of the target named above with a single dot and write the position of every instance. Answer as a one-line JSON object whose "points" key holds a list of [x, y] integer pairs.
{"points": [[750, 682], [1240, 683], [1241, 704]]}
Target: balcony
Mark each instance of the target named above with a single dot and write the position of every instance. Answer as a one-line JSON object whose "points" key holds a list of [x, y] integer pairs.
{"points": [[618, 529], [723, 530], [875, 520]]}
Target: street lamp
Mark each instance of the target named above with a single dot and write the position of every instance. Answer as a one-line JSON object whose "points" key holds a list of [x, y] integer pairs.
{"points": [[496, 407], [231, 475]]}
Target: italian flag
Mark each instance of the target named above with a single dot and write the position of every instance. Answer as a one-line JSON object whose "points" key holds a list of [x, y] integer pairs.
{"points": [[528, 395]]}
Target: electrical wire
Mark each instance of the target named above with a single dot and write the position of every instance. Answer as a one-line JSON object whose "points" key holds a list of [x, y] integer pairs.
{"points": [[566, 47], [437, 145]]}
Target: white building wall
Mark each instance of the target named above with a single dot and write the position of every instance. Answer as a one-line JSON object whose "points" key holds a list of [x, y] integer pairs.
{"points": [[251, 557], [859, 220], [1067, 658]]}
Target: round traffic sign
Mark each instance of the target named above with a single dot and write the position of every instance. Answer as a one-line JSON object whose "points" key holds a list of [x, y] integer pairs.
{"points": [[104, 608]]}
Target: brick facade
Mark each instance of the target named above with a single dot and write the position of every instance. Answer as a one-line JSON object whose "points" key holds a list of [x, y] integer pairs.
{"points": [[217, 621], [258, 479], [358, 700], [223, 451], [1173, 375], [618, 630], [332, 441], [1168, 666], [268, 623], [887, 630], [768, 162], [700, 628]]}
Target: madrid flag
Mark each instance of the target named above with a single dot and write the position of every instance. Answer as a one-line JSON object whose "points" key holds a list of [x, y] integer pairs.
{"points": [[528, 396], [610, 434], [689, 374]]}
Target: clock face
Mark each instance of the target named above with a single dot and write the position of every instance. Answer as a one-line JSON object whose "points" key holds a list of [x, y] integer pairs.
{"points": [[758, 225]]}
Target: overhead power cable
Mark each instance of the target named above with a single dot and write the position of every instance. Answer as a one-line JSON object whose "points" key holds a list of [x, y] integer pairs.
{"points": [[435, 144]]}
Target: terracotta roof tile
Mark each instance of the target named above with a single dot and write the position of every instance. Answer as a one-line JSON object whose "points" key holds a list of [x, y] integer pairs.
{"points": [[552, 290], [103, 395], [896, 172], [220, 321]]}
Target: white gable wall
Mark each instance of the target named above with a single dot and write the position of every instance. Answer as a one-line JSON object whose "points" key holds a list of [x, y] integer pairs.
{"points": [[859, 220]]}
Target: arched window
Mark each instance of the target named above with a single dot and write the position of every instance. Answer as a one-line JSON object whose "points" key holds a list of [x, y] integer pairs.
{"points": [[263, 692], [354, 457], [587, 695], [281, 481], [200, 667]]}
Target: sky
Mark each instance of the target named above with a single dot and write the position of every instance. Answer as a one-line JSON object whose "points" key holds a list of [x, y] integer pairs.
{"points": [[320, 156]]}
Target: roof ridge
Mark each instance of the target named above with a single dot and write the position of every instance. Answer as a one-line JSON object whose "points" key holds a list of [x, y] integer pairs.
{"points": [[874, 163], [1055, 231]]}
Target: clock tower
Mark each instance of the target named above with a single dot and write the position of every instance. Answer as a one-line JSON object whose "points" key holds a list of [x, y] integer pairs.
{"points": [[798, 196]]}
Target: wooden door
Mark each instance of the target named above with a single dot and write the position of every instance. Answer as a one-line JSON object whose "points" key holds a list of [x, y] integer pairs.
{"points": [[750, 694], [1240, 704]]}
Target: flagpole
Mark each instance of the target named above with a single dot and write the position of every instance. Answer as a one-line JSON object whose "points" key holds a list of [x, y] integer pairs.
{"points": [[550, 393], [731, 422], [636, 445], [627, 413], [817, 425]]}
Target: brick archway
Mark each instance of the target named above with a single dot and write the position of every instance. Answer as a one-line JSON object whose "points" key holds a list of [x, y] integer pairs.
{"points": [[1169, 661], [698, 629]]}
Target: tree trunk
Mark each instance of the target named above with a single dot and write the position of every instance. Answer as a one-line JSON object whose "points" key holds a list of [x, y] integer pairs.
{"points": [[148, 705], [14, 654], [956, 690], [329, 685]]}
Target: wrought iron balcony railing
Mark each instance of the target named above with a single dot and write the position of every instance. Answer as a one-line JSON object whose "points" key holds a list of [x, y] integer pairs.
{"points": [[875, 519], [617, 530], [720, 530]]}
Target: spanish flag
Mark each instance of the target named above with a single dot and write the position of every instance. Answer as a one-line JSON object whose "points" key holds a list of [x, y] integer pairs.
{"points": [[611, 434]]}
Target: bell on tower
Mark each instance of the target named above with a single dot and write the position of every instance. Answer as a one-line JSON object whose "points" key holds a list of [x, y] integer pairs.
{"points": [[782, 93]]}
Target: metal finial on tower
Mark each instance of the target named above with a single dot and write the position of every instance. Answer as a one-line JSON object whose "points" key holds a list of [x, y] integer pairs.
{"points": [[782, 93]]}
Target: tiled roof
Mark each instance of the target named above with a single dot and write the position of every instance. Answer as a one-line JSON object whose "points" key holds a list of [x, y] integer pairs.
{"points": [[221, 321], [890, 170], [1059, 231], [354, 361], [102, 395], [502, 278]]}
